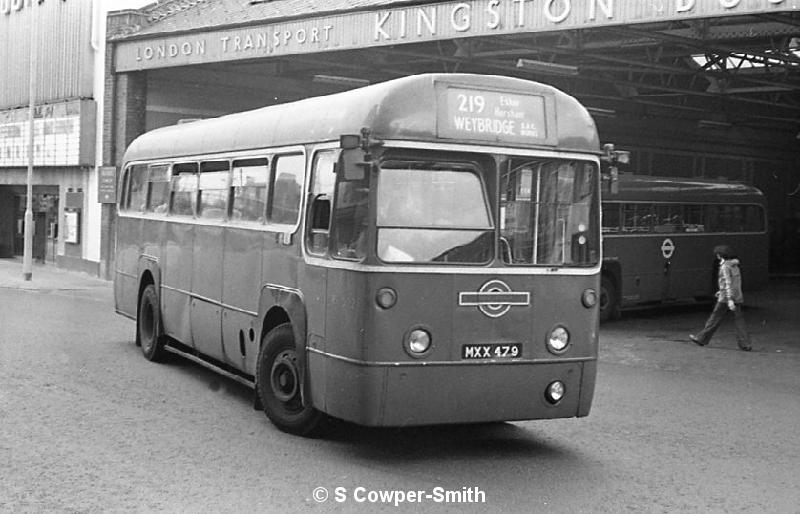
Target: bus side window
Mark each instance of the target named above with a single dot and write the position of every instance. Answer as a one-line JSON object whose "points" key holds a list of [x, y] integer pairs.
{"points": [[122, 200], [321, 192], [249, 190], [184, 188], [158, 189], [213, 190], [286, 191], [611, 218], [137, 190], [694, 218]]}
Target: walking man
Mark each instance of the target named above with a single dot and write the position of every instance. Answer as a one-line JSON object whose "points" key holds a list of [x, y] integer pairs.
{"points": [[729, 297]]}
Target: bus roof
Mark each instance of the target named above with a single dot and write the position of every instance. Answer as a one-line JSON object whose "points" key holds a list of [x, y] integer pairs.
{"points": [[646, 188], [410, 108]]}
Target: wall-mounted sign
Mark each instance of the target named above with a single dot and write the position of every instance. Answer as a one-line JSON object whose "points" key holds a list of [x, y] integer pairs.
{"points": [[63, 135], [72, 227], [12, 6], [107, 184], [413, 24]]}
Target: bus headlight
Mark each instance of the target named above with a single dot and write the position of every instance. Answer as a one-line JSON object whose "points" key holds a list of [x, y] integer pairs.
{"points": [[589, 298], [417, 342], [558, 340], [554, 392], [386, 297]]}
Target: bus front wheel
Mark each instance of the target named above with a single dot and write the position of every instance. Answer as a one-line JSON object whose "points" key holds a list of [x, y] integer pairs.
{"points": [[278, 385], [148, 325], [608, 299]]}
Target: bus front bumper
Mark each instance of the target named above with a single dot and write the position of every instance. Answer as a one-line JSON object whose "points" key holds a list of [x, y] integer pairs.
{"points": [[411, 394]]}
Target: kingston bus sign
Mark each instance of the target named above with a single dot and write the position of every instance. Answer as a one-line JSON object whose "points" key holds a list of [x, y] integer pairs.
{"points": [[418, 23]]}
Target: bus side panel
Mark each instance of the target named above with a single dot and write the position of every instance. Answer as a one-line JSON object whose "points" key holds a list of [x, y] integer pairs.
{"points": [[349, 389], [125, 280], [207, 275], [176, 281], [153, 232], [691, 268], [350, 308], [279, 261], [241, 288], [314, 284]]}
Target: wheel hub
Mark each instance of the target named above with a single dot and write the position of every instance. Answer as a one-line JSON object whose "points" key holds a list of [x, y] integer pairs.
{"points": [[284, 377]]}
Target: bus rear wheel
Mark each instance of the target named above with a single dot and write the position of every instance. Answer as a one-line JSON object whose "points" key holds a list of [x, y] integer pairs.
{"points": [[278, 385], [148, 325], [608, 299]]}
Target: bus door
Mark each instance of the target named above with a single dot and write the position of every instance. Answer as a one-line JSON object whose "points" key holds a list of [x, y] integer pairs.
{"points": [[667, 248], [207, 272], [668, 220]]}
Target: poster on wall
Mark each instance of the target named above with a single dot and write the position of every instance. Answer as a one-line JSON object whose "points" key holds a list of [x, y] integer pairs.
{"points": [[71, 227]]}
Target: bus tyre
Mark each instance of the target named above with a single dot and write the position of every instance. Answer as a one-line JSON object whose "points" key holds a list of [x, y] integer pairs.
{"points": [[608, 299], [279, 388], [148, 325]]}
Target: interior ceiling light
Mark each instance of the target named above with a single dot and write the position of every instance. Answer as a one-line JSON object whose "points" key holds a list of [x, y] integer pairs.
{"points": [[548, 68], [343, 81]]}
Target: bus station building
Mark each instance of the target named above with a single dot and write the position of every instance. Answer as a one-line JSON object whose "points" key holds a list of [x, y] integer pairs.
{"points": [[693, 88]]}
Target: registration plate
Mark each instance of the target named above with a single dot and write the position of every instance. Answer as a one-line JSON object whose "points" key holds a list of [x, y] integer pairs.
{"points": [[491, 351]]}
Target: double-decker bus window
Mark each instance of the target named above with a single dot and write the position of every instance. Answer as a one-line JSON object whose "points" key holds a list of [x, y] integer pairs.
{"points": [[158, 189], [433, 213], [321, 193], [669, 218], [249, 190], [694, 218], [184, 188], [137, 188], [611, 218], [213, 194], [638, 218], [284, 206], [549, 218], [753, 218]]}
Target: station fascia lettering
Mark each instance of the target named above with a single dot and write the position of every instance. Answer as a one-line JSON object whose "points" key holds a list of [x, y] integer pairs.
{"points": [[427, 21], [12, 6], [264, 41]]}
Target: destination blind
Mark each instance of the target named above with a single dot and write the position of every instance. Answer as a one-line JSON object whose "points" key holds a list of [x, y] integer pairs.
{"points": [[496, 116]]}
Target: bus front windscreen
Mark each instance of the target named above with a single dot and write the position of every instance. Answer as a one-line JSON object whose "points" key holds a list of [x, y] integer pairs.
{"points": [[433, 213], [549, 212]]}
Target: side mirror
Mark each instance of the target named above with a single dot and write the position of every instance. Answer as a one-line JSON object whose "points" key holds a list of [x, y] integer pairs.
{"points": [[613, 173], [349, 141], [354, 164]]}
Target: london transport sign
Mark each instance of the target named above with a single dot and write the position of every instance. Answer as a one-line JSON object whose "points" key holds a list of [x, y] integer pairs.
{"points": [[413, 24]]}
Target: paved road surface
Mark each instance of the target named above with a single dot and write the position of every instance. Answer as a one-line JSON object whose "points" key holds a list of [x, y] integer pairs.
{"points": [[86, 424]]}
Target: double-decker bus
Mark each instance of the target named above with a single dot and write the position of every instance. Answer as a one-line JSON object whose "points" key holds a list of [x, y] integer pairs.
{"points": [[659, 234], [420, 251]]}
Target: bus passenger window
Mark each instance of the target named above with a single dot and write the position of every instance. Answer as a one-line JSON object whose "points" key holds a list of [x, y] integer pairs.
{"points": [[122, 200], [321, 191], [287, 182], [753, 218], [611, 218], [158, 189], [249, 190], [184, 188], [138, 188], [213, 196], [350, 219], [694, 218]]}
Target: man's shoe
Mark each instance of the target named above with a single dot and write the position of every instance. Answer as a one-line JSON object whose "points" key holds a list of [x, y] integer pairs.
{"points": [[696, 341], [746, 348]]}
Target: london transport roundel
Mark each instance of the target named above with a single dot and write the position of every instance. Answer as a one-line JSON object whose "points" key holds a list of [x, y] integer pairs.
{"points": [[667, 248]]}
